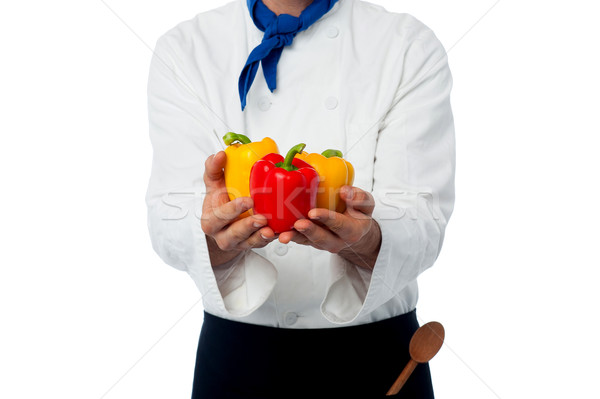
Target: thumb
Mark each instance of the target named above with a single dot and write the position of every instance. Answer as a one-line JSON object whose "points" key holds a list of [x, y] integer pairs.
{"points": [[213, 170], [357, 200]]}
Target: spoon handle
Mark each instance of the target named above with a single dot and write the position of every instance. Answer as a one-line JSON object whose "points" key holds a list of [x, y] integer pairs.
{"points": [[402, 378]]}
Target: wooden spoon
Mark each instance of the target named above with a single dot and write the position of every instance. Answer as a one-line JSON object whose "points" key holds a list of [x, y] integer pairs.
{"points": [[424, 345]]}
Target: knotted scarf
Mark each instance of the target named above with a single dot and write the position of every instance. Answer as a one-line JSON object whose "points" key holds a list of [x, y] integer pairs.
{"points": [[279, 32]]}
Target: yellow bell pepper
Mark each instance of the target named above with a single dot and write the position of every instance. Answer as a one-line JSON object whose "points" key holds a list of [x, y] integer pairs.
{"points": [[241, 155], [334, 172]]}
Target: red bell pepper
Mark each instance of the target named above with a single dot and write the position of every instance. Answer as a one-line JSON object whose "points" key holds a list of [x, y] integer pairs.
{"points": [[283, 190]]}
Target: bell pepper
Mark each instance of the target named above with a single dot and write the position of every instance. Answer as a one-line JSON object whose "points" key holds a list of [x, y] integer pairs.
{"points": [[283, 189], [241, 155], [334, 172]]}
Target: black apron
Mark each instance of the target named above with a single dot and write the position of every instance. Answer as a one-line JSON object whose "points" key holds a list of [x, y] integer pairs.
{"points": [[247, 361]]}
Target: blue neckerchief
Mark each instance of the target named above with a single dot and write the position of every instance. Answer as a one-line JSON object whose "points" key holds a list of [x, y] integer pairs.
{"points": [[279, 32]]}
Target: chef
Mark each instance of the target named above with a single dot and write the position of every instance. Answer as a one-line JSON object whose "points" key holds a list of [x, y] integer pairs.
{"points": [[330, 306]]}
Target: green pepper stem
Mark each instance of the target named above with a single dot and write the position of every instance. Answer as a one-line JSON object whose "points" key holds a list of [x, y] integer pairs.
{"points": [[332, 153], [287, 162], [232, 137]]}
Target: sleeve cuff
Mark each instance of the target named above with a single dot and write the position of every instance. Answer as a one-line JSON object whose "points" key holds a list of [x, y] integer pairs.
{"points": [[355, 291], [246, 284]]}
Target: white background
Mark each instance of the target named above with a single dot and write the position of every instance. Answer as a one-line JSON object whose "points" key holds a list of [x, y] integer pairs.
{"points": [[87, 310]]}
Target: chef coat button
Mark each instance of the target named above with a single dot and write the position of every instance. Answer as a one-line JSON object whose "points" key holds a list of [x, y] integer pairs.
{"points": [[290, 318], [331, 103], [264, 103], [332, 32], [281, 249]]}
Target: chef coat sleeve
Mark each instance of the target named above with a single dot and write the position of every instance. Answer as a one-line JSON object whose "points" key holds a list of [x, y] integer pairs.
{"points": [[413, 186], [182, 136]]}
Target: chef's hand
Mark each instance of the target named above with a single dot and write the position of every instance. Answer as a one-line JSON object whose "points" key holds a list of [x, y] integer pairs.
{"points": [[353, 235], [226, 234]]}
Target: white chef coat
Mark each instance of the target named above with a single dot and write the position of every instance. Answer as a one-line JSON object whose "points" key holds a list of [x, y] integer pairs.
{"points": [[373, 84]]}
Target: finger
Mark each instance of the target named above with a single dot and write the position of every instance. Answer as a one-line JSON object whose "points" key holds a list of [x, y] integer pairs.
{"points": [[334, 221], [260, 238], [225, 214], [358, 200], [249, 232], [237, 233], [320, 237], [301, 239], [214, 199], [345, 226], [287, 236], [267, 233], [214, 177]]}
